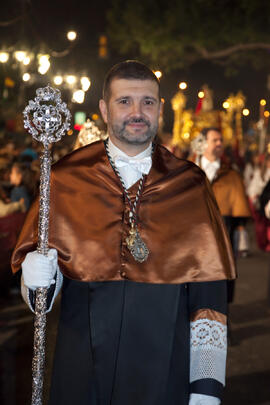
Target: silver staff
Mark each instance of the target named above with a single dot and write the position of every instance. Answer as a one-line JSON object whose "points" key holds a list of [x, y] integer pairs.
{"points": [[46, 119]]}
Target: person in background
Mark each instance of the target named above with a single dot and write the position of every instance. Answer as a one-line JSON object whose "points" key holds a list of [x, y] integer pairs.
{"points": [[228, 188], [252, 163], [265, 212], [259, 180], [21, 177], [29, 150], [255, 189]]}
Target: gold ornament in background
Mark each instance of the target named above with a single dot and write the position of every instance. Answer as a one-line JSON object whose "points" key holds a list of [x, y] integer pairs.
{"points": [[178, 104], [89, 133], [234, 107], [188, 123]]}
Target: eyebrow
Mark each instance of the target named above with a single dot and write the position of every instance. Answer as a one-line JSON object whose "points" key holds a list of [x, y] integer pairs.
{"points": [[144, 97]]}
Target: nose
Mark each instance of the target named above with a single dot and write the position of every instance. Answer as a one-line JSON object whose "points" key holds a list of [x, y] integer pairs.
{"points": [[136, 109]]}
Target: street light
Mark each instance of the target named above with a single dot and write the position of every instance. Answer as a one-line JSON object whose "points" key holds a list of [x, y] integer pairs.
{"points": [[58, 80], [20, 55], [26, 60], [44, 68], [158, 74], [71, 79], [226, 105], [78, 96], [86, 83], [4, 56], [182, 86], [263, 102], [201, 94], [71, 35], [26, 77], [44, 63], [245, 112]]}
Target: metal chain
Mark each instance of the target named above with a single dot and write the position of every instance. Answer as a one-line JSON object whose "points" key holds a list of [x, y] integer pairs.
{"points": [[132, 214]]}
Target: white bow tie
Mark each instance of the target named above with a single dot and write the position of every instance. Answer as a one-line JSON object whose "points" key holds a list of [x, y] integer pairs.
{"points": [[214, 164], [142, 165]]}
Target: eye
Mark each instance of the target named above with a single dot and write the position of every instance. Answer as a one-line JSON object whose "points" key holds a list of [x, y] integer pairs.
{"points": [[124, 101], [148, 102]]}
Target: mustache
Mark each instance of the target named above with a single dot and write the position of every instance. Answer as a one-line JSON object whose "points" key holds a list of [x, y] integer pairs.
{"points": [[136, 121]]}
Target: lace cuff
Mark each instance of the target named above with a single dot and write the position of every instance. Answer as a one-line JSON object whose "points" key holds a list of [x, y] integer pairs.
{"points": [[208, 350]]}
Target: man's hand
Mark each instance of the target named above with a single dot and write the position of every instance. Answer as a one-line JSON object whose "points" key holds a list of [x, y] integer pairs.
{"points": [[200, 399], [39, 270]]}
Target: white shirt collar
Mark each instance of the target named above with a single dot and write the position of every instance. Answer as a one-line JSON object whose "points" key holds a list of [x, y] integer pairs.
{"points": [[210, 168], [205, 162]]}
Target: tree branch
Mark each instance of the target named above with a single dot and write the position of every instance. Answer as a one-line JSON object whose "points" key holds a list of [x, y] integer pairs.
{"points": [[232, 49], [10, 22]]}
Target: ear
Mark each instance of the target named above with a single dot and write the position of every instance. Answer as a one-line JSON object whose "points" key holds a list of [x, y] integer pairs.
{"points": [[161, 107], [103, 110]]}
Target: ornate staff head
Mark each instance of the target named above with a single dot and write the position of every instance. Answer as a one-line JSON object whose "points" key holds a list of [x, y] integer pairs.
{"points": [[47, 117]]}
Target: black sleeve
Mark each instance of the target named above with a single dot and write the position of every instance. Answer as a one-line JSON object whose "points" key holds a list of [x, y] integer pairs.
{"points": [[211, 295]]}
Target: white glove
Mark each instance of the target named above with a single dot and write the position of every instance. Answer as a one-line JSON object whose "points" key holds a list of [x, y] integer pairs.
{"points": [[201, 399], [39, 270]]}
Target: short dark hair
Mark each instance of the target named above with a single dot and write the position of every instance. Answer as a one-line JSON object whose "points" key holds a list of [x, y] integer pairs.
{"points": [[129, 69], [205, 131]]}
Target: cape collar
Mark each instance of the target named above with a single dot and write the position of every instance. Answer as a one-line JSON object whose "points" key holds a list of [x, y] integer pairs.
{"points": [[157, 171]]}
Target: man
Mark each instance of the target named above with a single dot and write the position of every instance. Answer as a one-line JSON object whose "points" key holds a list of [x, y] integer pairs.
{"points": [[143, 319], [228, 188]]}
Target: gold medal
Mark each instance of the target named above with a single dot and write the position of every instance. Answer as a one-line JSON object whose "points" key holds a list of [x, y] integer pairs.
{"points": [[136, 245]]}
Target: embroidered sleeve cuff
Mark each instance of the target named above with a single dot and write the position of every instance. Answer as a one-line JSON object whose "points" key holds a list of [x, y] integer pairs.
{"points": [[208, 346]]}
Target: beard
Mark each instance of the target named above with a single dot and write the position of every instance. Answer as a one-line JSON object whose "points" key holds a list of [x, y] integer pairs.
{"points": [[122, 134], [218, 151]]}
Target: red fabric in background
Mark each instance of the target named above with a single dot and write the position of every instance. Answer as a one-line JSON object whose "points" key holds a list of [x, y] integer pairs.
{"points": [[262, 229], [10, 227]]}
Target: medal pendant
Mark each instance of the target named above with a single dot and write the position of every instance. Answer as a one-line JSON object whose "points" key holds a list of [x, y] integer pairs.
{"points": [[137, 247], [131, 237]]}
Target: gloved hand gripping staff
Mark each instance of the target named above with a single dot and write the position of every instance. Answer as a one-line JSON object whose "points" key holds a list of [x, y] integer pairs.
{"points": [[46, 118]]}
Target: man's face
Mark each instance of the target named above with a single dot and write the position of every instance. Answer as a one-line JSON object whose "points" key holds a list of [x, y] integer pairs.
{"points": [[132, 111], [214, 143]]}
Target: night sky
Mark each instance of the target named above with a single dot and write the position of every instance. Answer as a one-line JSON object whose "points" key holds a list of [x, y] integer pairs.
{"points": [[47, 22]]}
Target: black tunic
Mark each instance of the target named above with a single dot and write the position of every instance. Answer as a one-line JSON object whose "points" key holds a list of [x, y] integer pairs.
{"points": [[127, 343]]}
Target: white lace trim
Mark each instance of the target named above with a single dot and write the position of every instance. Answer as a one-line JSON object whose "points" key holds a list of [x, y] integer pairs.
{"points": [[208, 350]]}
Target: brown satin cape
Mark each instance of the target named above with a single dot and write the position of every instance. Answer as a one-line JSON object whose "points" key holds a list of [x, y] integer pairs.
{"points": [[178, 219]]}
